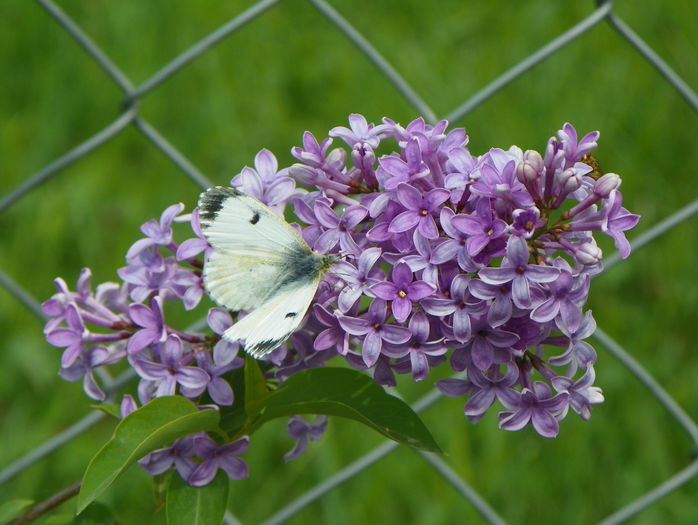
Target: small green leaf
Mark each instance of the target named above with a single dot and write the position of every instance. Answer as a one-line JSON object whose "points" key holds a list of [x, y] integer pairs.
{"points": [[152, 426], [187, 505], [233, 418], [350, 394], [255, 382], [13, 509]]}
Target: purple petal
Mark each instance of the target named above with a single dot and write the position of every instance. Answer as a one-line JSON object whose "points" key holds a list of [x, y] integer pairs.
{"points": [[479, 402], [521, 292], [546, 311], [171, 351], [515, 421], [497, 276], [192, 377], [62, 337], [401, 308], [404, 221], [236, 468], [453, 387], [266, 164], [203, 474], [371, 348], [418, 290], [410, 197], [326, 241], [385, 290], [461, 325], [545, 424], [395, 334], [541, 274], [517, 251], [220, 391], [427, 227], [224, 352], [325, 215], [435, 198], [141, 339], [326, 339], [142, 316], [468, 224], [354, 215], [219, 320], [355, 325], [482, 353], [367, 259], [420, 366], [446, 251], [348, 297], [476, 244]]}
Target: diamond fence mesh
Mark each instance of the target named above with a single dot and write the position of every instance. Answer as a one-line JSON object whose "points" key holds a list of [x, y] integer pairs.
{"points": [[131, 116]]}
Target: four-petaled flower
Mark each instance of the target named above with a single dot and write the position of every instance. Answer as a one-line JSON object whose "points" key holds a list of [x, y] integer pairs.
{"points": [[375, 330], [171, 368], [420, 210], [402, 291], [538, 407], [517, 269], [215, 457]]}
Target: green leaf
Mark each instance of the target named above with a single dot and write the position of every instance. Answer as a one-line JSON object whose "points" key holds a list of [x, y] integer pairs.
{"points": [[250, 388], [233, 418], [13, 509], [350, 394], [149, 428], [96, 513], [255, 382], [187, 505]]}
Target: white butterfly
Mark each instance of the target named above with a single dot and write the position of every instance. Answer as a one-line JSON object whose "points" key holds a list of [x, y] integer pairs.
{"points": [[258, 264]]}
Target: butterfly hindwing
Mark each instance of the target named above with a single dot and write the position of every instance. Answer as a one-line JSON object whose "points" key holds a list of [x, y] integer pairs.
{"points": [[269, 325]]}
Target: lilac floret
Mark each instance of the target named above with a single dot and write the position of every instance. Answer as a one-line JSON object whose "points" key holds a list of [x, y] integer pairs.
{"points": [[214, 457]]}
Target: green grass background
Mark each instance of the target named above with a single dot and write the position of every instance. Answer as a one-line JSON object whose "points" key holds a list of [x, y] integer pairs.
{"points": [[289, 71]]}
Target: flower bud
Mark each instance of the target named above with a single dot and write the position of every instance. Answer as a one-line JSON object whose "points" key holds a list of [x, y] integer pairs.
{"points": [[336, 158], [606, 184], [569, 181], [588, 253]]}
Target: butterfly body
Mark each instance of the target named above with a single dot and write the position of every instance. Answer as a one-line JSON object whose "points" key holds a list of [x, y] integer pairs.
{"points": [[259, 264]]}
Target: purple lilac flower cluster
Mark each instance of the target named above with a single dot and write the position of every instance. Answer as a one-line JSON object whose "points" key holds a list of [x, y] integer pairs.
{"points": [[483, 262]]}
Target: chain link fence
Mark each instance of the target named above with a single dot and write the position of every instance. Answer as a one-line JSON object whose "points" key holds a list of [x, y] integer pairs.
{"points": [[131, 116]]}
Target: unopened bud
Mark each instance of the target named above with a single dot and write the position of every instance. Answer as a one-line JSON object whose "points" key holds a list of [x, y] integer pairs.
{"points": [[606, 184], [588, 253]]}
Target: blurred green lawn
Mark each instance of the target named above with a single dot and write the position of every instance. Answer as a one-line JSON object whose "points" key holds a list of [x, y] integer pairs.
{"points": [[290, 71]]}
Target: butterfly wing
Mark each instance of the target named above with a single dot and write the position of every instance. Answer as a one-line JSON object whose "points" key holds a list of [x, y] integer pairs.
{"points": [[269, 325], [258, 263]]}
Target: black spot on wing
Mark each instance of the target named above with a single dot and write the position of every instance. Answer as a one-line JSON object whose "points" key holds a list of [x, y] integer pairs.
{"points": [[255, 218], [211, 202], [291, 314]]}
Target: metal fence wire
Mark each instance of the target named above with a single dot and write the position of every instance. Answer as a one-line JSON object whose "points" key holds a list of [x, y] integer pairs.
{"points": [[130, 116]]}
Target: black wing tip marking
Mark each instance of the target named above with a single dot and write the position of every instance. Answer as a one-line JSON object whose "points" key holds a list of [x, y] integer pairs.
{"points": [[264, 347], [211, 201]]}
